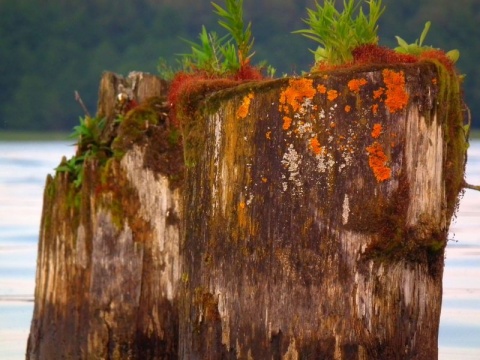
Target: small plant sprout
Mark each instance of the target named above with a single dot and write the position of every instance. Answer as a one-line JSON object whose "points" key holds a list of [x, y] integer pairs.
{"points": [[212, 54], [339, 33], [89, 144], [224, 55], [232, 21], [74, 167], [417, 48]]}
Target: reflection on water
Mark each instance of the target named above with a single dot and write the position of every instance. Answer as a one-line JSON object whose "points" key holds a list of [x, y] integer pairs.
{"points": [[23, 168]]}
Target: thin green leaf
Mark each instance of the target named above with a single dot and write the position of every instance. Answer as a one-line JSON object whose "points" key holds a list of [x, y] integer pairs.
{"points": [[424, 33]]}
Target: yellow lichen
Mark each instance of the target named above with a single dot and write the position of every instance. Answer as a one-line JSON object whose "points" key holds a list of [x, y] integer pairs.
{"points": [[396, 95], [242, 111], [377, 160], [355, 84]]}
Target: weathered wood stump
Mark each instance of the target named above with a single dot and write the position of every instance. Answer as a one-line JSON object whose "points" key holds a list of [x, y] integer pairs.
{"points": [[108, 261], [310, 222]]}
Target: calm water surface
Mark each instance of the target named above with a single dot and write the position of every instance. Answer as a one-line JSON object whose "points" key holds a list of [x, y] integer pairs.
{"points": [[24, 166]]}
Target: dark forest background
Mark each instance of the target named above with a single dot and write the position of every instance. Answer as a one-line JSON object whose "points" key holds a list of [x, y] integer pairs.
{"points": [[50, 48]]}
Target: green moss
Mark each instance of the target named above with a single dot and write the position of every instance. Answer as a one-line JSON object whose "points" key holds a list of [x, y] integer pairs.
{"points": [[133, 127], [451, 116], [204, 99]]}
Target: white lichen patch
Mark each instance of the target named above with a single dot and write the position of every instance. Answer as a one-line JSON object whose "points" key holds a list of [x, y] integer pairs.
{"points": [[345, 210], [216, 153], [291, 161], [321, 114]]}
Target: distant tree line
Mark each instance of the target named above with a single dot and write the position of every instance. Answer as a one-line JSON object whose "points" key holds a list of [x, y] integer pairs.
{"points": [[51, 48]]}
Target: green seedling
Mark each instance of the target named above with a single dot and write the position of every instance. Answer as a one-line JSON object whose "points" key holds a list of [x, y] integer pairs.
{"points": [[231, 18], [88, 136], [217, 55], [74, 167], [339, 33], [417, 48]]}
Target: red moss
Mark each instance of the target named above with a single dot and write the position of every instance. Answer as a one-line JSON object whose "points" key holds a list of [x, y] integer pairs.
{"points": [[248, 72], [188, 84], [324, 66], [185, 86], [440, 56], [375, 54]]}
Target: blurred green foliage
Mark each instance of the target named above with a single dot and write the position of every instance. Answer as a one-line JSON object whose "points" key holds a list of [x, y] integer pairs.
{"points": [[50, 48]]}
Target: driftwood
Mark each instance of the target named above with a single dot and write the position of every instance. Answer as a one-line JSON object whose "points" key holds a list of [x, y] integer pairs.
{"points": [[310, 221]]}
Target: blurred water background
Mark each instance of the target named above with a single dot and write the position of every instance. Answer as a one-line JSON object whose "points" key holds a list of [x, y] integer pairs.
{"points": [[24, 166]]}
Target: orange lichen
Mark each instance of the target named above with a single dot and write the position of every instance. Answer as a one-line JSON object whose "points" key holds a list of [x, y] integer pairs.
{"points": [[434, 81], [374, 109], [377, 161], [377, 130], [332, 95], [315, 146], [322, 89], [296, 92], [287, 121], [264, 179], [332, 124], [242, 111], [268, 135], [355, 84], [378, 93], [397, 97], [348, 108]]}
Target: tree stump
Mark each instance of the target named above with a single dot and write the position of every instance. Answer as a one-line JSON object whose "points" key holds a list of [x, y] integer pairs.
{"points": [[310, 221], [108, 260]]}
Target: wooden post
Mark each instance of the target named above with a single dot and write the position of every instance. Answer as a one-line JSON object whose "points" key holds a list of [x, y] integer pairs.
{"points": [[311, 223]]}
